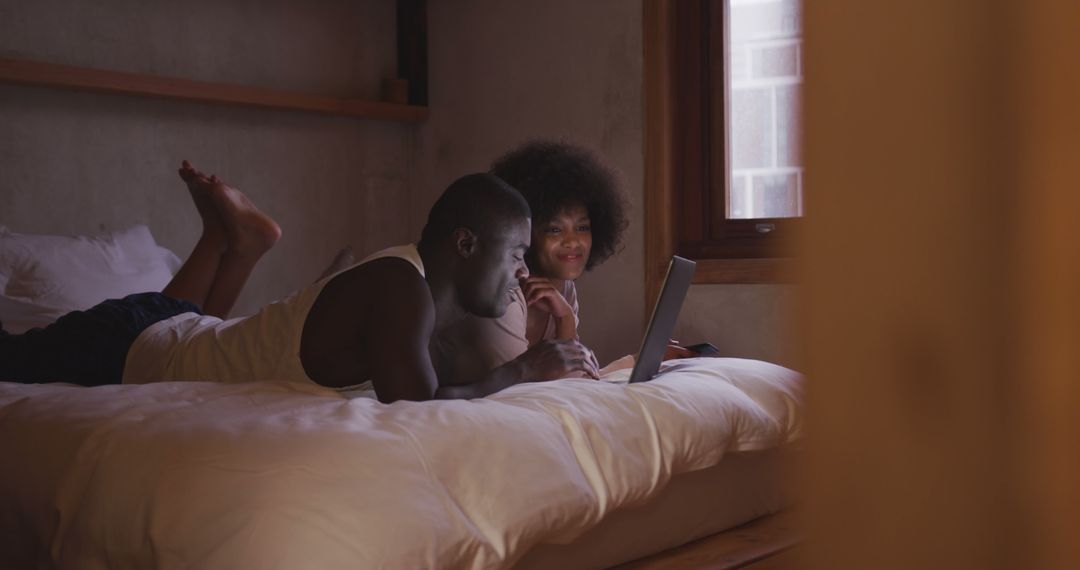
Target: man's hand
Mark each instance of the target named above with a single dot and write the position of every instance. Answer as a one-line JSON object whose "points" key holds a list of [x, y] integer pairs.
{"points": [[547, 360], [540, 293], [554, 359]]}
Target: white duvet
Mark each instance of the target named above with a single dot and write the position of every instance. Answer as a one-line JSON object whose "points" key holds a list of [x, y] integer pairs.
{"points": [[262, 475]]}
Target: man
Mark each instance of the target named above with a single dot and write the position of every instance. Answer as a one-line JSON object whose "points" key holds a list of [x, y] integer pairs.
{"points": [[369, 323]]}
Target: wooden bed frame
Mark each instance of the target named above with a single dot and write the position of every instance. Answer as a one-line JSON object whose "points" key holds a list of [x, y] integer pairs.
{"points": [[761, 544]]}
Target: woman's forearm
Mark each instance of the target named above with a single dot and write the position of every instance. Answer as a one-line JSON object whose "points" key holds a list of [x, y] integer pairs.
{"points": [[566, 327]]}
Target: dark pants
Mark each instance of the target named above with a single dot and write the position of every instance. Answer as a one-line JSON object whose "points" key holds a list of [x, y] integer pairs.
{"points": [[85, 347]]}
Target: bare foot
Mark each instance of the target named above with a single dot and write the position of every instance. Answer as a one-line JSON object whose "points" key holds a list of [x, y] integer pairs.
{"points": [[250, 232], [199, 187]]}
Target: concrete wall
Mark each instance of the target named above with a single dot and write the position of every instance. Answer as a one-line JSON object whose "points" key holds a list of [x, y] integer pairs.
{"points": [[82, 163], [744, 321]]}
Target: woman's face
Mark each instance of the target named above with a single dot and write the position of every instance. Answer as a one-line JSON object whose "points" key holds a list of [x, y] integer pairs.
{"points": [[561, 246]]}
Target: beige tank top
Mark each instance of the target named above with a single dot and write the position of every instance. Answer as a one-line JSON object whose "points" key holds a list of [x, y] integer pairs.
{"points": [[264, 346]]}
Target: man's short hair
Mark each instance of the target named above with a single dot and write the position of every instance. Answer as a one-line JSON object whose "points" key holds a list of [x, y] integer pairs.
{"points": [[481, 202]]}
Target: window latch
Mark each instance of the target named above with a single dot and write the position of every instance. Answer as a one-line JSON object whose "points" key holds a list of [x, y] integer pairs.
{"points": [[764, 228]]}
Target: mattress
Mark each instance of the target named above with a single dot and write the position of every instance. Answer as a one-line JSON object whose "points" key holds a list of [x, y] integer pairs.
{"points": [[266, 475]]}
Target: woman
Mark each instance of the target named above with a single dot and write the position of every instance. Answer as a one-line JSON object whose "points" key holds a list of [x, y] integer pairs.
{"points": [[579, 216]]}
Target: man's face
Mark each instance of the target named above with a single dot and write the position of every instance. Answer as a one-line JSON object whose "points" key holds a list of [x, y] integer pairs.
{"points": [[492, 272]]}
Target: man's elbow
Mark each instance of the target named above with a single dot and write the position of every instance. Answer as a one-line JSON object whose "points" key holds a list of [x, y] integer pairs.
{"points": [[390, 396]]}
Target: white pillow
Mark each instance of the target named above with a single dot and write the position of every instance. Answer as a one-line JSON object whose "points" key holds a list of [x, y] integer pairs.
{"points": [[42, 277]]}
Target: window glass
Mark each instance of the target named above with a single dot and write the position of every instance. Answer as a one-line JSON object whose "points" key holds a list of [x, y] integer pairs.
{"points": [[765, 114]]}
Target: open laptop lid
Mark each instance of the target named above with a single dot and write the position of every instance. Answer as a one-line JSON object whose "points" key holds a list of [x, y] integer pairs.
{"points": [[662, 324]]}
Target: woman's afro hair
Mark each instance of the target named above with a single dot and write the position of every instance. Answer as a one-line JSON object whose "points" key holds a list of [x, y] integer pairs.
{"points": [[554, 176]]}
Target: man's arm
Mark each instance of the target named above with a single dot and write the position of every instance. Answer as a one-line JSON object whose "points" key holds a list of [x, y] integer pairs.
{"points": [[397, 330], [547, 360], [498, 379], [395, 335]]}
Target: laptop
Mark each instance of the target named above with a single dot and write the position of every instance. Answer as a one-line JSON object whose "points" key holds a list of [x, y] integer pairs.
{"points": [[662, 324]]}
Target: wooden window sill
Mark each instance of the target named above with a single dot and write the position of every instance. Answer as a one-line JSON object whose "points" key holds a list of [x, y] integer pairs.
{"points": [[735, 271], [41, 74]]}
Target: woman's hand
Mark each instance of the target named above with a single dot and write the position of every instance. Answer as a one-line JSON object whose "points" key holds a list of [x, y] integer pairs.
{"points": [[541, 293]]}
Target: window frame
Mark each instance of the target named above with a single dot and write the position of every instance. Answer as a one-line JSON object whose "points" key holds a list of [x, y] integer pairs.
{"points": [[680, 160]]}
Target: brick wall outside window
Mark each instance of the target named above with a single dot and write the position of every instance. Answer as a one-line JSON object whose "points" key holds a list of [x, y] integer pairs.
{"points": [[766, 82]]}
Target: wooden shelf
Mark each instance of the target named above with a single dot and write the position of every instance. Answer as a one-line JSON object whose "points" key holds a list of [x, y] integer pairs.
{"points": [[742, 271], [40, 74]]}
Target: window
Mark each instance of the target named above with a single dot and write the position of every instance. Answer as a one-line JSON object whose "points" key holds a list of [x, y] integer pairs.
{"points": [[764, 101], [723, 82]]}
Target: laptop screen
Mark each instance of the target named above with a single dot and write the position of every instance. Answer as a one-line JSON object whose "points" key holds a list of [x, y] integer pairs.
{"points": [[665, 312]]}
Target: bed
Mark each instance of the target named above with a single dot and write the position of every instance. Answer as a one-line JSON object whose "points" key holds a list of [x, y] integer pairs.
{"points": [[571, 473]]}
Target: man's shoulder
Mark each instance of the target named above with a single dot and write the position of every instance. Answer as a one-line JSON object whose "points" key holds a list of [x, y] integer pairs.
{"points": [[390, 276], [378, 295]]}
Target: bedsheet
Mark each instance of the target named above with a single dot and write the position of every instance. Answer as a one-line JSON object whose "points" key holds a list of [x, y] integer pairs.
{"points": [[267, 475]]}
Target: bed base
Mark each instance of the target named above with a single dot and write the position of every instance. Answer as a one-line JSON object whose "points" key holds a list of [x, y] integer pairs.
{"points": [[761, 544]]}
